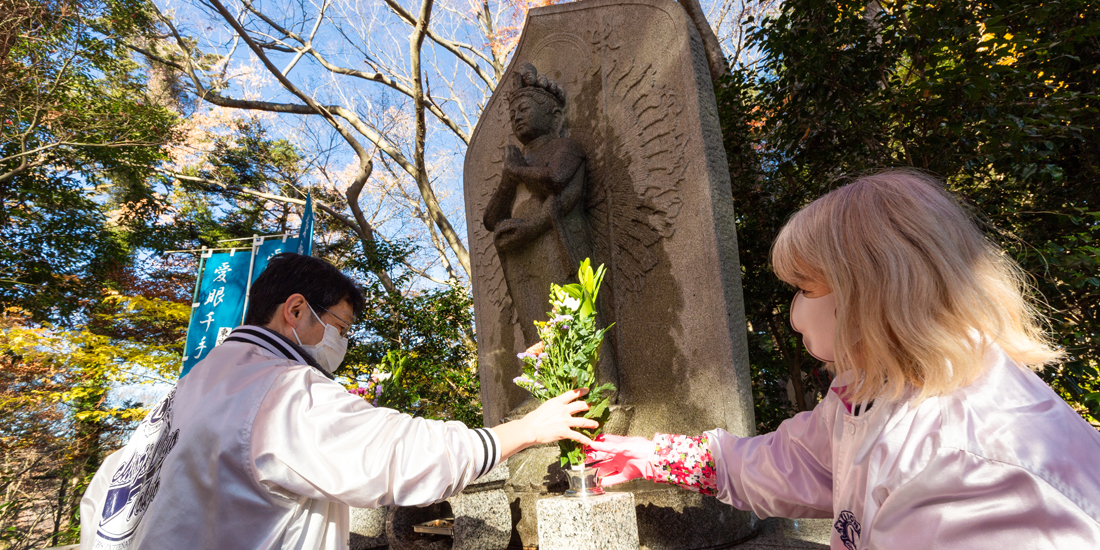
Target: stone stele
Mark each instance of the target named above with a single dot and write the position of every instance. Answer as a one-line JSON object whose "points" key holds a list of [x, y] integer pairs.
{"points": [[657, 210]]}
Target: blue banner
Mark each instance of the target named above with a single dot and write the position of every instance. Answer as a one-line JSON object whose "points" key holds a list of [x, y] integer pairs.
{"points": [[220, 304], [267, 250], [305, 232]]}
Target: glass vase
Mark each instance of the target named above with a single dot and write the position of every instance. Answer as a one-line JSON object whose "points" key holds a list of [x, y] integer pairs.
{"points": [[582, 482]]}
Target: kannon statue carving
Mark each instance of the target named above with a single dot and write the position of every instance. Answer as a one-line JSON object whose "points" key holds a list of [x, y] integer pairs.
{"points": [[536, 213]]}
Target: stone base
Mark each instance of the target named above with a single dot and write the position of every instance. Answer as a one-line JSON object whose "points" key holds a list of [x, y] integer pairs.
{"points": [[368, 528], [535, 475], [671, 518], [605, 522], [482, 519]]}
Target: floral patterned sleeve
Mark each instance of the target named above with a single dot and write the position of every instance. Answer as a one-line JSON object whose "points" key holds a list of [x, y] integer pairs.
{"points": [[685, 461]]}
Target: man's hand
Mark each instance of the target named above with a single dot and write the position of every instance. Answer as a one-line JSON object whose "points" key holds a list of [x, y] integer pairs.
{"points": [[552, 421]]}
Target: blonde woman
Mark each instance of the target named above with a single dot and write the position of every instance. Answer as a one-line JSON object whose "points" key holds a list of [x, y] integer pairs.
{"points": [[935, 433]]}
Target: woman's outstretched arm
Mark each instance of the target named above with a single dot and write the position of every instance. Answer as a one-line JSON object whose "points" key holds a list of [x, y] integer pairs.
{"points": [[784, 473]]}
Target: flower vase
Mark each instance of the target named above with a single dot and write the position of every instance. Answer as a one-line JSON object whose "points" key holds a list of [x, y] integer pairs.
{"points": [[582, 482]]}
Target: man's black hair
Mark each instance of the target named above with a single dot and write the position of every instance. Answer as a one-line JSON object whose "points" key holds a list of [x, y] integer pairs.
{"points": [[320, 282]]}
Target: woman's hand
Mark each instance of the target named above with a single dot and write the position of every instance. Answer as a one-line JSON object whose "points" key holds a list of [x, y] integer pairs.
{"points": [[618, 459], [552, 421]]}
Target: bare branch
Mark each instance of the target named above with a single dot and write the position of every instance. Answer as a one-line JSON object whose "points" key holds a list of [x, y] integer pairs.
{"points": [[454, 47], [312, 34], [376, 76], [231, 188]]}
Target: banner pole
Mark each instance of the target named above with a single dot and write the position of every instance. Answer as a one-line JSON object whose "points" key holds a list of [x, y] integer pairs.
{"points": [[198, 280], [256, 242], [194, 304]]}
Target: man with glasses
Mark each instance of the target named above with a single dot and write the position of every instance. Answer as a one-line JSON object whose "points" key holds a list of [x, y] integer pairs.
{"points": [[258, 448]]}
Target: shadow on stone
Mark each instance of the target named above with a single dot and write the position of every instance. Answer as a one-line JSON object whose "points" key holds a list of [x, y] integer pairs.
{"points": [[673, 518], [368, 528], [790, 534]]}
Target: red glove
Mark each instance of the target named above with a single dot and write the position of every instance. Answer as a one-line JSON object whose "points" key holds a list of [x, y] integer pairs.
{"points": [[618, 459]]}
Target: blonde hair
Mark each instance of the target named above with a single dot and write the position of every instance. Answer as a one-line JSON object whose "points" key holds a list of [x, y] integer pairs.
{"points": [[915, 283]]}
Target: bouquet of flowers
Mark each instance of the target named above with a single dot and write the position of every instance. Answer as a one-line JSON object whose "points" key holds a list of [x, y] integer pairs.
{"points": [[567, 356]]}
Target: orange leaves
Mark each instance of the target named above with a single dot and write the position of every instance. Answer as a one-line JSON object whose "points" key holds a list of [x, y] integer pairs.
{"points": [[508, 32]]}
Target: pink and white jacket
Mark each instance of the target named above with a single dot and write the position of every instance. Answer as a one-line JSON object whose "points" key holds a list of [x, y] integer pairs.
{"points": [[1001, 464], [254, 449]]}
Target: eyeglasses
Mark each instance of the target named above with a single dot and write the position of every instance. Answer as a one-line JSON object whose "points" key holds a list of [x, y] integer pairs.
{"points": [[347, 325]]}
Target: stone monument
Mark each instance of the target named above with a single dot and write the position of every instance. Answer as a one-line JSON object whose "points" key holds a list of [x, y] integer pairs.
{"points": [[621, 161]]}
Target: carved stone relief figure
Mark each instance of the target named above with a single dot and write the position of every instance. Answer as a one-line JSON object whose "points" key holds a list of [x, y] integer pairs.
{"points": [[536, 213]]}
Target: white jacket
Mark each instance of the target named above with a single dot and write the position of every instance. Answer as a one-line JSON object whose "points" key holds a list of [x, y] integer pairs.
{"points": [[1001, 464], [254, 449]]}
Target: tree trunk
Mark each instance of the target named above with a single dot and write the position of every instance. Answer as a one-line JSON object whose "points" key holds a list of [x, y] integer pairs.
{"points": [[716, 59]]}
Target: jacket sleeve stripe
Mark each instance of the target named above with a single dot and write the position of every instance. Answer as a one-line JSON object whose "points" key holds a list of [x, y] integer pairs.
{"points": [[492, 449], [495, 454], [485, 453]]}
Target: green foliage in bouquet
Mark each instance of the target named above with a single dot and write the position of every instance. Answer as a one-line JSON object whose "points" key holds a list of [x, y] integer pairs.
{"points": [[571, 350]]}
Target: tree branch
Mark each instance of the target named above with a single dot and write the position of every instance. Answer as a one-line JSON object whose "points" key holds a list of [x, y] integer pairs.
{"points": [[423, 184], [364, 228], [384, 277], [376, 76], [290, 87], [453, 47]]}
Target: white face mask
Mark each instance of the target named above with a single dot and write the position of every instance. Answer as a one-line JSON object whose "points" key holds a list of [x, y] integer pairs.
{"points": [[330, 351], [815, 319]]}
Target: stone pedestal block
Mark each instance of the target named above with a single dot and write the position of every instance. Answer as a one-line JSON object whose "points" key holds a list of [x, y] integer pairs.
{"points": [[671, 517], [483, 520], [368, 528], [605, 522]]}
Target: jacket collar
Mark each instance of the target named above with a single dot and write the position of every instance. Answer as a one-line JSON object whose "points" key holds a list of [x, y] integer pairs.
{"points": [[275, 343]]}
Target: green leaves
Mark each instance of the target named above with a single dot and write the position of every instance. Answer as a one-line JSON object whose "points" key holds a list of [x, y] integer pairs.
{"points": [[584, 292], [425, 337], [79, 141]]}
